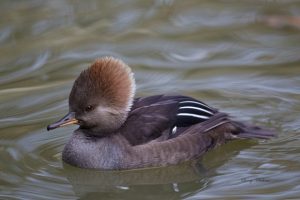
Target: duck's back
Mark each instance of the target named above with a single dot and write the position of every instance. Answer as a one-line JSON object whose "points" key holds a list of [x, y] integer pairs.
{"points": [[163, 117]]}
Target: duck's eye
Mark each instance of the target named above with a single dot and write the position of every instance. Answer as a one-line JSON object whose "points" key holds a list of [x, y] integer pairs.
{"points": [[88, 108]]}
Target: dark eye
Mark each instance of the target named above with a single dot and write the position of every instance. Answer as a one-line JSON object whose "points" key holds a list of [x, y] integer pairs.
{"points": [[88, 108]]}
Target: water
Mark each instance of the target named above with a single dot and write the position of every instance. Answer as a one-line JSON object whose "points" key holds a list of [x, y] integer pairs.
{"points": [[239, 56]]}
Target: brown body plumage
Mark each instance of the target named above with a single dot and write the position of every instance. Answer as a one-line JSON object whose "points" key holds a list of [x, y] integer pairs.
{"points": [[119, 132]]}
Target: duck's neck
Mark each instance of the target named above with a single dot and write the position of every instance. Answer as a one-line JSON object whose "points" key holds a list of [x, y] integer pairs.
{"points": [[91, 133]]}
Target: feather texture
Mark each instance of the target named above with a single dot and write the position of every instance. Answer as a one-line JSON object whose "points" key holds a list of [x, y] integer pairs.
{"points": [[144, 139]]}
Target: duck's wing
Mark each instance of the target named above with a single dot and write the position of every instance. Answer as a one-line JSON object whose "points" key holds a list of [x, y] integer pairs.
{"points": [[163, 117], [193, 142], [196, 140], [148, 119]]}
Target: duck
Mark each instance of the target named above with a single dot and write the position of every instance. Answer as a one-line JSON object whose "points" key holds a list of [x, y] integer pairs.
{"points": [[118, 131]]}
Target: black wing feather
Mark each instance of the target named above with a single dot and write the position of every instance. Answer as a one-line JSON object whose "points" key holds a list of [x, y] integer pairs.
{"points": [[156, 115], [192, 111]]}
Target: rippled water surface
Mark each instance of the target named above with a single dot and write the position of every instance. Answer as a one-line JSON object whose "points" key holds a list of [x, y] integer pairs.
{"points": [[242, 57]]}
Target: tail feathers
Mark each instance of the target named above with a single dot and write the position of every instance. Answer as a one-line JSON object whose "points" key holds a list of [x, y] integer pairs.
{"points": [[249, 131], [221, 123]]}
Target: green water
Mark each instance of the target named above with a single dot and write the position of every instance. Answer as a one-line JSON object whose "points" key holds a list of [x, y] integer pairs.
{"points": [[242, 57]]}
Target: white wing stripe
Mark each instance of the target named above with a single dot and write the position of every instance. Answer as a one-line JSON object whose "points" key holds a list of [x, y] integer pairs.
{"points": [[174, 130], [192, 115], [196, 102], [196, 108]]}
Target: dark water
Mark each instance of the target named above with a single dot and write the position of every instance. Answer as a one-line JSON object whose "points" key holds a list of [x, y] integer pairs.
{"points": [[242, 57]]}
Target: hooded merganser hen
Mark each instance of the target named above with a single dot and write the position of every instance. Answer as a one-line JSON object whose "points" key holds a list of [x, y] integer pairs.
{"points": [[118, 131]]}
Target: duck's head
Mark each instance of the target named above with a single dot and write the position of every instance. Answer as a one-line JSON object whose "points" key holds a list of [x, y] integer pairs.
{"points": [[101, 97]]}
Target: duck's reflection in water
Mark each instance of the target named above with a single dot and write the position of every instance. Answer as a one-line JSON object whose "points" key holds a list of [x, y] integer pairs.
{"points": [[161, 183]]}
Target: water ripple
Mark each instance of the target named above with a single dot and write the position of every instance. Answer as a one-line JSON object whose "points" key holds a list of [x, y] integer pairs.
{"points": [[241, 57], [26, 71]]}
